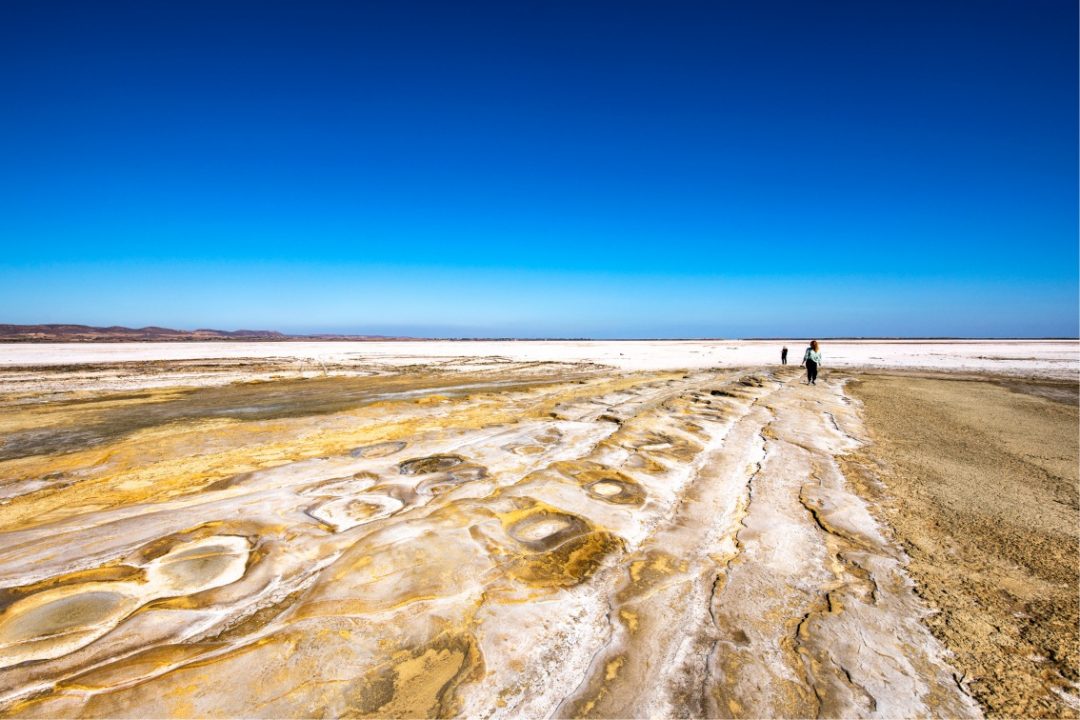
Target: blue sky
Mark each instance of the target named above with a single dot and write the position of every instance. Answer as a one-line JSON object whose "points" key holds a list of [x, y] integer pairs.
{"points": [[623, 169]]}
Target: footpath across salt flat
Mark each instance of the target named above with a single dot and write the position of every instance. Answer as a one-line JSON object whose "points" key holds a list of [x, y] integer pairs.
{"points": [[1058, 359]]}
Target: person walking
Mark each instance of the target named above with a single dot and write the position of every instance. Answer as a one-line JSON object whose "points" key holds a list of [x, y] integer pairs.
{"points": [[812, 361], [783, 356]]}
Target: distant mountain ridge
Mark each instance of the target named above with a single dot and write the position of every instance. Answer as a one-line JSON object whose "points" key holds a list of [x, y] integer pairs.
{"points": [[116, 333]]}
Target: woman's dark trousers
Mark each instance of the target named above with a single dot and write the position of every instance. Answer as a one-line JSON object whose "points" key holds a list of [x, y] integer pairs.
{"points": [[811, 370]]}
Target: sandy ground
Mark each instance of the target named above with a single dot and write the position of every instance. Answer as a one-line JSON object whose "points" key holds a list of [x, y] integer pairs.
{"points": [[978, 481], [506, 537]]}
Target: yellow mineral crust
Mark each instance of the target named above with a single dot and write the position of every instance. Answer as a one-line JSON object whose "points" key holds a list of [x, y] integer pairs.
{"points": [[521, 541]]}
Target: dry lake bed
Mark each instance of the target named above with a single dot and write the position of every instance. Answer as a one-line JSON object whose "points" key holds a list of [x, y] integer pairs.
{"points": [[539, 529]]}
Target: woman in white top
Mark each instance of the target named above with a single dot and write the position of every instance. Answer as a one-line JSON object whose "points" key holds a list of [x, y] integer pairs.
{"points": [[812, 361]]}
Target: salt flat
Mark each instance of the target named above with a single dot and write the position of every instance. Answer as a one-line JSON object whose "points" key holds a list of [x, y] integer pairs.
{"points": [[504, 529], [183, 363], [1050, 357]]}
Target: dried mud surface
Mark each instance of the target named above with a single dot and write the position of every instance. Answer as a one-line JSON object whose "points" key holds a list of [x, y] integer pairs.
{"points": [[480, 537], [978, 480]]}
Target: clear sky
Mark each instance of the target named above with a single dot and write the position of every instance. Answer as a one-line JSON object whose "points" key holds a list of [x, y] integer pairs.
{"points": [[620, 169]]}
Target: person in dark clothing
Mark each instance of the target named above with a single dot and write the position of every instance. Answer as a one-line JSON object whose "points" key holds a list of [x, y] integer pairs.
{"points": [[783, 356], [812, 361]]}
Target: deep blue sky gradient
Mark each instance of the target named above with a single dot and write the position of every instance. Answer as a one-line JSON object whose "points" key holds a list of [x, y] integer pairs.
{"points": [[620, 169]]}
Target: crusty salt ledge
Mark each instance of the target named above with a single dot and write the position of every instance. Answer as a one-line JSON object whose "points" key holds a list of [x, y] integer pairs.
{"points": [[499, 537]]}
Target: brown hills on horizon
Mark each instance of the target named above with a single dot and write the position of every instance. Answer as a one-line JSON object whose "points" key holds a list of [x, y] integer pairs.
{"points": [[116, 333]]}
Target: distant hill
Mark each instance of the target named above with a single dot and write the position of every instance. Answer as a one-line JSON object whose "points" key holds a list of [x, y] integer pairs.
{"points": [[86, 333]]}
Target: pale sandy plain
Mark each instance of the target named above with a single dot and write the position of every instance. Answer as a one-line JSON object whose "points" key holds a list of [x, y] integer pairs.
{"points": [[527, 529]]}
